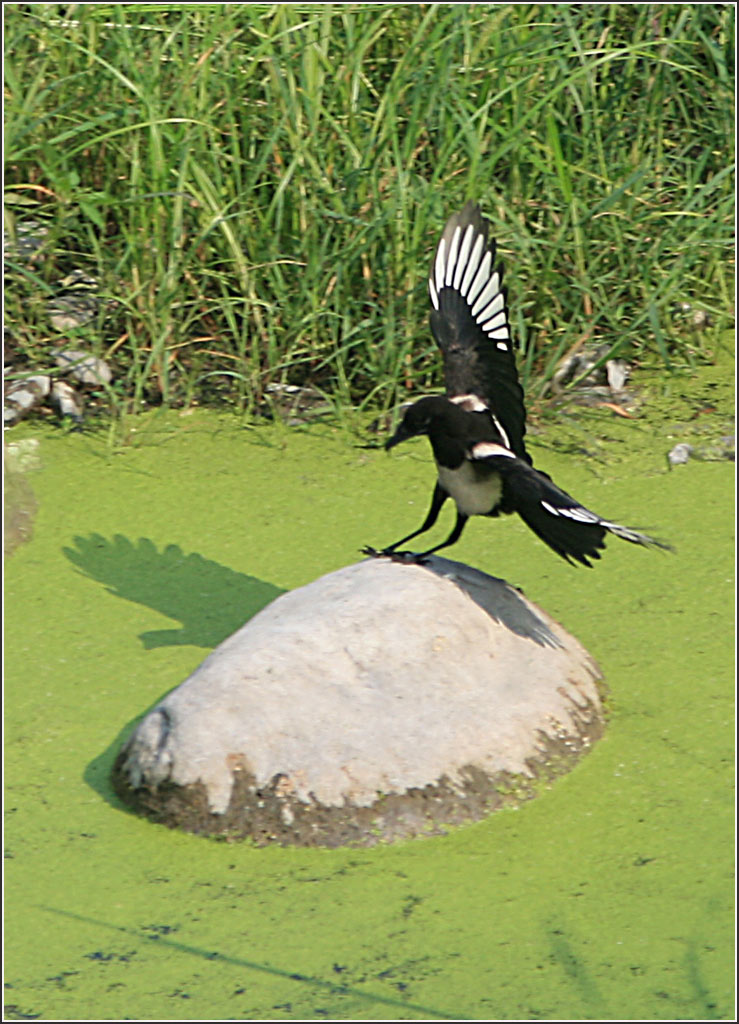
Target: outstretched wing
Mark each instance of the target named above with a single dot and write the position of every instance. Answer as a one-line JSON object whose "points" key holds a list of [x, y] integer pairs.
{"points": [[469, 320]]}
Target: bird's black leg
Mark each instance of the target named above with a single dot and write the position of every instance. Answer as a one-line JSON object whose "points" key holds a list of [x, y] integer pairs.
{"points": [[437, 500], [451, 539]]}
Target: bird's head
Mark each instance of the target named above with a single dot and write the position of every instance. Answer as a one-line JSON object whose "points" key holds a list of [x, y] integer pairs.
{"points": [[418, 419]]}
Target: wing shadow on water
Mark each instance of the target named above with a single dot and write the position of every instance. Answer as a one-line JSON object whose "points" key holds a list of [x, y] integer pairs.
{"points": [[210, 600]]}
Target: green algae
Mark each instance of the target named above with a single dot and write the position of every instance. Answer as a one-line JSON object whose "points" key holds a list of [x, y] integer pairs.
{"points": [[607, 897]]}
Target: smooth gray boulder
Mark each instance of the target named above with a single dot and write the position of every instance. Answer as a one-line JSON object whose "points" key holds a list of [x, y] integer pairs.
{"points": [[381, 701]]}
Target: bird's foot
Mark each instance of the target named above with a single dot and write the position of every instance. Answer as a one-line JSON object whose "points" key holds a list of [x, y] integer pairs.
{"points": [[405, 557]]}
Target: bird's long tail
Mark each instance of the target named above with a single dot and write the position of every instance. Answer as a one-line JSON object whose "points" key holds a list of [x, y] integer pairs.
{"points": [[569, 528]]}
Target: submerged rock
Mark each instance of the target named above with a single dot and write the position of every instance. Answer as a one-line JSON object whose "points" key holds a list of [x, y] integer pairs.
{"points": [[381, 701], [19, 501]]}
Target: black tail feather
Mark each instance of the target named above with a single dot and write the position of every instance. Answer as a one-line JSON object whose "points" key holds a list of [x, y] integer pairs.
{"points": [[570, 529], [573, 541]]}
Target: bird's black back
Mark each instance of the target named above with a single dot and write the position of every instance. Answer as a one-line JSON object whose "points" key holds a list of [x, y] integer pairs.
{"points": [[469, 320]]}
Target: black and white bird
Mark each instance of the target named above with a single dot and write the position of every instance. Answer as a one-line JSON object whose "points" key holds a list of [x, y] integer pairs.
{"points": [[477, 430]]}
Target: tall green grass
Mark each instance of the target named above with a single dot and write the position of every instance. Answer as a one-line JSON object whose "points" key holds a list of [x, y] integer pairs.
{"points": [[259, 187]]}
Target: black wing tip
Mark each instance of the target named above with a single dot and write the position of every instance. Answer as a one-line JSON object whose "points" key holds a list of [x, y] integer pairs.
{"points": [[470, 215]]}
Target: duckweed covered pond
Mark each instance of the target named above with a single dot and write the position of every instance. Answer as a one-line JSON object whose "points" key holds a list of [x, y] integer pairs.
{"points": [[607, 897]]}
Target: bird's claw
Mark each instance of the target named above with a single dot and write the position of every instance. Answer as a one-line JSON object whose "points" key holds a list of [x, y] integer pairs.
{"points": [[405, 557], [370, 552]]}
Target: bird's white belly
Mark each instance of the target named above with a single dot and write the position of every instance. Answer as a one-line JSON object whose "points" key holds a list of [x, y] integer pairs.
{"points": [[475, 493]]}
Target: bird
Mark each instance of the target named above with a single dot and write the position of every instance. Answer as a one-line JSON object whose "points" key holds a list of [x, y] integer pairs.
{"points": [[477, 429]]}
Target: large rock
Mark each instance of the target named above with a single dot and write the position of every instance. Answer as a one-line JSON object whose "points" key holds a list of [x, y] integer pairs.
{"points": [[381, 701]]}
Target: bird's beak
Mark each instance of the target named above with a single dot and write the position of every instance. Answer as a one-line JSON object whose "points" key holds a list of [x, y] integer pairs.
{"points": [[401, 434]]}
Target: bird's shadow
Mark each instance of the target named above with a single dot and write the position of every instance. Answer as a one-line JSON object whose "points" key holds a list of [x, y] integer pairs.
{"points": [[498, 598], [210, 600]]}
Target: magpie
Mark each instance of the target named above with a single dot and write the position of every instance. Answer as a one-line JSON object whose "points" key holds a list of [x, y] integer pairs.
{"points": [[477, 429]]}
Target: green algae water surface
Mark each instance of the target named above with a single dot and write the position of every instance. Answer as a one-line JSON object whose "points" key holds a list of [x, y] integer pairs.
{"points": [[607, 897]]}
